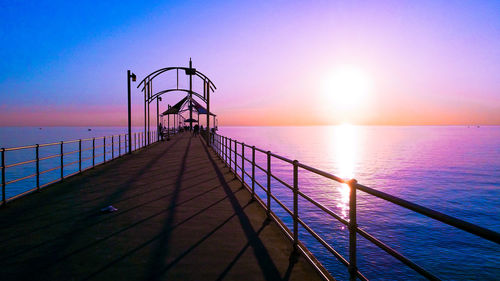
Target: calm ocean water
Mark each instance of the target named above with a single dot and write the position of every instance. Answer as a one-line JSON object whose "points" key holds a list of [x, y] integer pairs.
{"points": [[454, 170]]}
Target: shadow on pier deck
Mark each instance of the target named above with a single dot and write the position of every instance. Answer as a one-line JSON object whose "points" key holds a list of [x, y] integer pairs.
{"points": [[181, 216]]}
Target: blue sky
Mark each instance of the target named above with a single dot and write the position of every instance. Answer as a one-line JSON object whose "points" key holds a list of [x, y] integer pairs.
{"points": [[266, 57]]}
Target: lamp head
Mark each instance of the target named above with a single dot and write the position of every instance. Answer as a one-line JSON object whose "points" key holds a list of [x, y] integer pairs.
{"points": [[133, 77]]}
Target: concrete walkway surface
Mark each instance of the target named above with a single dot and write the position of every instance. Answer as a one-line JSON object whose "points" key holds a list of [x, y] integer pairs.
{"points": [[181, 216]]}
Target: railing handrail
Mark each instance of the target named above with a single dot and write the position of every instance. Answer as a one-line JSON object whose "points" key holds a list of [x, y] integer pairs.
{"points": [[139, 141], [226, 153]]}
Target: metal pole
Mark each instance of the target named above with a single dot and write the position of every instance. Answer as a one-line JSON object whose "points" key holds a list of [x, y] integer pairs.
{"points": [[93, 152], [80, 156], [268, 183], [352, 230], [104, 148], [37, 167], [62, 161], [149, 114], [295, 204], [208, 113], [157, 118], [146, 87], [119, 145], [168, 124], [190, 96], [253, 171], [224, 148], [129, 113], [235, 158], [112, 147], [243, 164], [4, 200]]}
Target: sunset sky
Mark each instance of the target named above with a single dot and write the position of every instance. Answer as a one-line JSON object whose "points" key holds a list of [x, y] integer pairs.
{"points": [[273, 62]]}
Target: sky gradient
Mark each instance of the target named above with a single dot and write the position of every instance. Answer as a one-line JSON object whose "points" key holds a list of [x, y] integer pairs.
{"points": [[430, 62]]}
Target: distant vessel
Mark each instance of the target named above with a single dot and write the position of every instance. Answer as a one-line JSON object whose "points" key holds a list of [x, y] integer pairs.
{"points": [[89, 129]]}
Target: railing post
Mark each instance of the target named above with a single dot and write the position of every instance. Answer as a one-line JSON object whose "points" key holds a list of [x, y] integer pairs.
{"points": [[230, 164], [112, 146], [135, 141], [295, 204], [120, 145], [37, 167], [62, 161], [80, 155], [4, 200], [243, 164], [253, 172], [104, 149], [352, 230], [93, 152], [235, 158], [225, 151], [268, 183]]}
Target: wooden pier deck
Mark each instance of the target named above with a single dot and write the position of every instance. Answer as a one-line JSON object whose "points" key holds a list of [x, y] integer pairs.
{"points": [[181, 216]]}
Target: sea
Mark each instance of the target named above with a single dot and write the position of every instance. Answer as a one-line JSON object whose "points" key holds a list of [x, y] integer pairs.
{"points": [[451, 169]]}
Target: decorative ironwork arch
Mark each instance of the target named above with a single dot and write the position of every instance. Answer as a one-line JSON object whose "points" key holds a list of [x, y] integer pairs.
{"points": [[147, 88], [155, 73]]}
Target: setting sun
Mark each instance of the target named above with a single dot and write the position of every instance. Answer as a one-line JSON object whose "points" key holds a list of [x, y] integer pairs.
{"points": [[348, 88]]}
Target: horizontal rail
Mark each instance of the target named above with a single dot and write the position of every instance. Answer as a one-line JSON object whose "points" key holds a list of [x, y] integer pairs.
{"points": [[20, 179], [321, 173], [49, 157], [71, 163], [49, 170], [282, 158], [396, 254], [282, 205], [49, 144], [260, 185], [322, 207], [324, 243], [449, 220], [71, 152], [281, 181], [20, 147], [20, 163]]}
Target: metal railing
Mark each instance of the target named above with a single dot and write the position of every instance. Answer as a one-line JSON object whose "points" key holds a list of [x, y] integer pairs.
{"points": [[96, 152], [227, 150]]}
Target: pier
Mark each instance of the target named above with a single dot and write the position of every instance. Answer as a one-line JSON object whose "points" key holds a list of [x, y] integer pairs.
{"points": [[181, 215], [172, 204]]}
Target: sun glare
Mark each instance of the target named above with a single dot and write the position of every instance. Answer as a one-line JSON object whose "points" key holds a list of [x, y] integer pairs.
{"points": [[348, 88]]}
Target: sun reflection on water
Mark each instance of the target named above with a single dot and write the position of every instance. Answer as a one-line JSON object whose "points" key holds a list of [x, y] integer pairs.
{"points": [[345, 139]]}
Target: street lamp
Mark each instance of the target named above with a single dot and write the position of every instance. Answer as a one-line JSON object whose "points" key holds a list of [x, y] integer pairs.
{"points": [[130, 76]]}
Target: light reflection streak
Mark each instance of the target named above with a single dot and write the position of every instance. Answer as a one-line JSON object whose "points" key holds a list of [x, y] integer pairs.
{"points": [[345, 139]]}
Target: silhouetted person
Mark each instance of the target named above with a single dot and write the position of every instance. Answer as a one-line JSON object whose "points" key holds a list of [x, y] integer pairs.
{"points": [[196, 130], [160, 132]]}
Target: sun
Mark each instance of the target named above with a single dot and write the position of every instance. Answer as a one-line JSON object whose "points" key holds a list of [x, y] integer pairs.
{"points": [[348, 88]]}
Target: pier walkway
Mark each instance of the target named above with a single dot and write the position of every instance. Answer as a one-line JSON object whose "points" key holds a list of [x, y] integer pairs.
{"points": [[181, 216]]}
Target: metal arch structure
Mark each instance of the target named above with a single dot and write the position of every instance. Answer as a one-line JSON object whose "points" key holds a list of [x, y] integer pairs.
{"points": [[147, 88], [155, 73]]}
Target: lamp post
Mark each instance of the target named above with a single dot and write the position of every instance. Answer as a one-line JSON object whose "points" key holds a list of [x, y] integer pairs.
{"points": [[130, 76]]}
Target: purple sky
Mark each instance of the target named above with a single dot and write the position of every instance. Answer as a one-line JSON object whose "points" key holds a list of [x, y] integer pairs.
{"points": [[430, 62]]}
